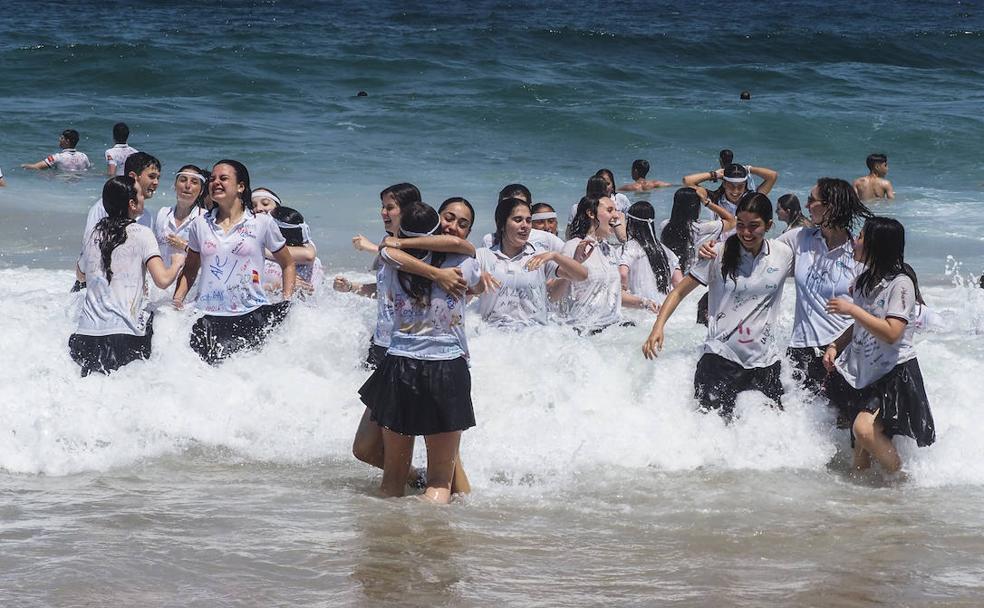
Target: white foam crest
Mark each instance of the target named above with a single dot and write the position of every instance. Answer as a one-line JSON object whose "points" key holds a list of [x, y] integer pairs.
{"points": [[549, 404]]}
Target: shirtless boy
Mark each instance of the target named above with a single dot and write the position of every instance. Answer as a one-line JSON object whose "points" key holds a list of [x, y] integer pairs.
{"points": [[640, 168], [874, 185]]}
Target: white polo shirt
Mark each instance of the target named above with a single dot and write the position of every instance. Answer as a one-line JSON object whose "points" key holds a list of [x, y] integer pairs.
{"points": [[642, 279], [117, 156], [866, 358], [231, 276], [821, 275], [165, 224], [596, 302], [700, 233], [68, 159], [622, 203], [541, 239], [431, 332], [742, 314], [521, 300], [120, 306]]}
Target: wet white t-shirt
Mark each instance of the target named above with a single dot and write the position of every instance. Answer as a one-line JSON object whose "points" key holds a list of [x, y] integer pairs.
{"points": [[821, 275], [742, 314], [521, 300], [120, 306], [596, 302], [541, 239], [68, 159], [866, 358], [231, 275], [117, 156], [642, 279], [700, 233], [434, 331], [622, 203], [165, 224]]}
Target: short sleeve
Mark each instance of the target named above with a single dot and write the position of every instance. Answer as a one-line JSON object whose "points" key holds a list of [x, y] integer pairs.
{"points": [[272, 238], [50, 160], [701, 270], [671, 259], [148, 245], [570, 247], [194, 237], [485, 259], [630, 253], [488, 240], [900, 299], [790, 237], [471, 271]]}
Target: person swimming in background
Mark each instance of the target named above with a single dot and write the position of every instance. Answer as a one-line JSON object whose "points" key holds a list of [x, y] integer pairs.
{"points": [[545, 218], [297, 234], [789, 211], [875, 185], [876, 381], [745, 282], [117, 155], [737, 181], [116, 326], [69, 159], [647, 267], [640, 169]]}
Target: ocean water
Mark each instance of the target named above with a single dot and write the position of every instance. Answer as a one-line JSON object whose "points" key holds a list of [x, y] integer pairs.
{"points": [[176, 484]]}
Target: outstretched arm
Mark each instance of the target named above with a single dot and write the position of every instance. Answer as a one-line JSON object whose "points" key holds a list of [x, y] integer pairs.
{"points": [[441, 242], [164, 276], [448, 279], [38, 166], [888, 330], [654, 343]]}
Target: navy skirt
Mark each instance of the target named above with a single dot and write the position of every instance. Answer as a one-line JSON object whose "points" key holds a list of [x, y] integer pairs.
{"points": [[717, 382], [105, 354], [215, 337]]}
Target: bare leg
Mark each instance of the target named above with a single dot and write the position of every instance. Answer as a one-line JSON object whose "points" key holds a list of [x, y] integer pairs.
{"points": [[869, 435], [442, 451], [368, 443], [459, 481], [398, 451]]}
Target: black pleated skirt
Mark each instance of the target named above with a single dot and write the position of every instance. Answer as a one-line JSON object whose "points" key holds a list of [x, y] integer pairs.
{"points": [[215, 337]]}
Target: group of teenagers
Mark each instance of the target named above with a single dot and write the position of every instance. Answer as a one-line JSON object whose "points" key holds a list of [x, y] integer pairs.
{"points": [[857, 301]]}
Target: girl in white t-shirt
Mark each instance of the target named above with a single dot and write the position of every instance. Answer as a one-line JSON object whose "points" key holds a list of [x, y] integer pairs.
{"points": [[745, 282], [648, 268], [310, 274], [115, 326], [595, 303], [876, 380], [227, 245], [171, 225], [423, 385], [516, 271]]}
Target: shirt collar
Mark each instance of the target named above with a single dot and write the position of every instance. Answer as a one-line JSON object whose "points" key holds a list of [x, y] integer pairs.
{"points": [[496, 249], [764, 251]]}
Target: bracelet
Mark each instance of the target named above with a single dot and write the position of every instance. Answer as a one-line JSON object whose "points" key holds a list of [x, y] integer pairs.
{"points": [[713, 175]]}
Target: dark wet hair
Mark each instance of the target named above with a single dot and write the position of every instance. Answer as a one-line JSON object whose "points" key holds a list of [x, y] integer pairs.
{"points": [[677, 234], [745, 95], [875, 159], [110, 231], [844, 207], [583, 222], [242, 177], [790, 203], [121, 133], [403, 193], [596, 187], [293, 236], [640, 168], [641, 231], [607, 173], [457, 199], [542, 208], [726, 157], [884, 255], [503, 210], [751, 202], [732, 170], [515, 191], [138, 162], [71, 136], [200, 201], [265, 189], [418, 217]]}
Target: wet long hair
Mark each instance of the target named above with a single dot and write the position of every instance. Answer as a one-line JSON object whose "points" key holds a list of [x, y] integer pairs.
{"points": [[515, 191], [203, 194], [678, 235], [403, 193], [293, 236], [790, 203], [844, 207], [641, 231], [419, 217], [607, 173], [110, 232], [502, 213], [884, 255], [583, 222], [242, 177], [596, 187], [750, 202]]}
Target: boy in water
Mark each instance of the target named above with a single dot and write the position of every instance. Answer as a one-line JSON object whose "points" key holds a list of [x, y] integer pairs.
{"points": [[117, 155], [874, 185], [640, 168], [69, 159]]}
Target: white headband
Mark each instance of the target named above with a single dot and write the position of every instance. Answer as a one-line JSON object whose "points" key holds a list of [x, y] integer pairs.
{"points": [[649, 220], [261, 193], [428, 233], [197, 176], [305, 231], [546, 215], [735, 180]]}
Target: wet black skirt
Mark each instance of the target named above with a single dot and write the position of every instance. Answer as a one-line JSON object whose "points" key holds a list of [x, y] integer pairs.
{"points": [[215, 337], [808, 367], [415, 397], [717, 382], [375, 356], [105, 354], [898, 399]]}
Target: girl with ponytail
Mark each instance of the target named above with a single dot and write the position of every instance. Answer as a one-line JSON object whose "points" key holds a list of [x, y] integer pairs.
{"points": [[115, 326], [876, 381], [648, 269], [745, 281]]}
